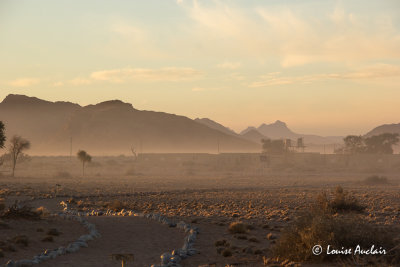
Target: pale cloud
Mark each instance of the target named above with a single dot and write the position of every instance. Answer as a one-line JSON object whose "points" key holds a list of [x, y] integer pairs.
{"points": [[229, 65], [24, 82], [171, 74], [372, 72], [237, 76], [80, 81], [292, 36], [58, 84], [202, 89]]}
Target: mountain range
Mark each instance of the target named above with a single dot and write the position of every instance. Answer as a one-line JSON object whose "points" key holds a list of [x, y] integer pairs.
{"points": [[110, 127], [279, 130], [113, 127]]}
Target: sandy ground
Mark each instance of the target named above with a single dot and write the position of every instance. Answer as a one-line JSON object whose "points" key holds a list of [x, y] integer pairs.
{"points": [[69, 232], [147, 240], [208, 199]]}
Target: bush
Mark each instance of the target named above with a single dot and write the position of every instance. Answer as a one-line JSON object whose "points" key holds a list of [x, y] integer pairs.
{"points": [[48, 238], [254, 239], [341, 202], [376, 180], [238, 228], [20, 240], [323, 226], [221, 243], [43, 211], [226, 252], [53, 232], [17, 212]]}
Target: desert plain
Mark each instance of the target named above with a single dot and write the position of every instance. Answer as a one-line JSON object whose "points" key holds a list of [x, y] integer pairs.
{"points": [[210, 192]]}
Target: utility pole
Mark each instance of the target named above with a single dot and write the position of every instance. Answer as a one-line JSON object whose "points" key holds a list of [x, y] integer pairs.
{"points": [[70, 148]]}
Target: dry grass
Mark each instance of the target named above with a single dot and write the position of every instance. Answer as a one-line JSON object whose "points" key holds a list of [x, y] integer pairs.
{"points": [[342, 201], [43, 211], [17, 212], [322, 225]]}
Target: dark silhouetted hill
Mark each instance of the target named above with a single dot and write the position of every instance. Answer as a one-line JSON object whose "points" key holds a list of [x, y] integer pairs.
{"points": [[386, 128], [216, 126], [110, 127]]}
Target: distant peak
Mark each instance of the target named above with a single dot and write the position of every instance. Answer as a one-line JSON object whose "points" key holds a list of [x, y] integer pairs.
{"points": [[21, 99], [114, 104], [276, 123], [281, 123]]}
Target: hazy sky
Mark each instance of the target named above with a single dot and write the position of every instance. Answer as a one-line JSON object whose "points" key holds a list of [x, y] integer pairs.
{"points": [[324, 67]]}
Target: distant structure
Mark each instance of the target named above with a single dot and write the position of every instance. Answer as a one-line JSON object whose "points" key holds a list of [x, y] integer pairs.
{"points": [[300, 144], [287, 143], [289, 146]]}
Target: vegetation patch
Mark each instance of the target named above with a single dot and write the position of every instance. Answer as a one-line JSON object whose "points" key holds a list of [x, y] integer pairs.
{"points": [[323, 225], [21, 212], [238, 228], [342, 201]]}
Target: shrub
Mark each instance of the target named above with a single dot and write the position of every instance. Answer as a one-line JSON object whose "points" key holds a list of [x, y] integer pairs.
{"points": [[220, 243], [341, 202], [20, 240], [226, 252], [17, 212], [376, 180], [254, 239], [238, 228], [2, 204], [320, 226], [53, 232], [48, 238], [43, 211]]}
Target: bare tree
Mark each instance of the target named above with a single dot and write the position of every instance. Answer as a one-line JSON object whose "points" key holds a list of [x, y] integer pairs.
{"points": [[84, 157], [133, 149], [17, 146]]}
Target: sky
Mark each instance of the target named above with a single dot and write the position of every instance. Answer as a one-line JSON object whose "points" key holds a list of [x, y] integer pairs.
{"points": [[323, 67]]}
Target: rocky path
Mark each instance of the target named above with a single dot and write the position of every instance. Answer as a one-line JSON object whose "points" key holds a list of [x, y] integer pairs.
{"points": [[145, 238]]}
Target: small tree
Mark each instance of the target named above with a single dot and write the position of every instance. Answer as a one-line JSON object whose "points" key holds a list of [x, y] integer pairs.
{"points": [[17, 146], [2, 135], [354, 144], [381, 144], [273, 146], [84, 157]]}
